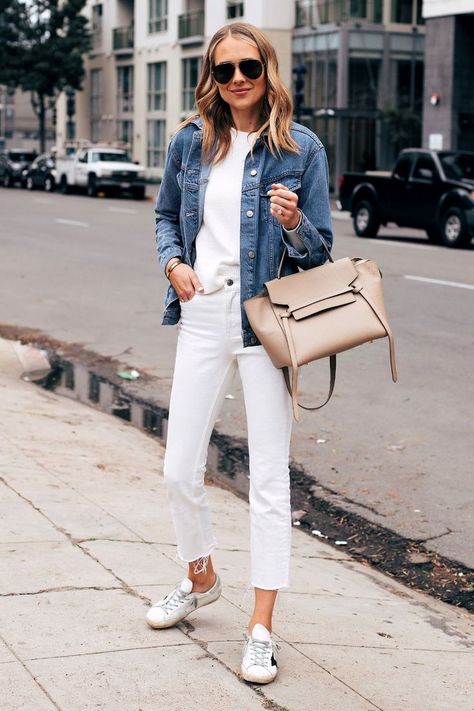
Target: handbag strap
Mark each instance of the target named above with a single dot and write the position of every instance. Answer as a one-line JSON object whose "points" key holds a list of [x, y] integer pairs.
{"points": [[292, 385], [388, 331], [293, 392], [285, 253]]}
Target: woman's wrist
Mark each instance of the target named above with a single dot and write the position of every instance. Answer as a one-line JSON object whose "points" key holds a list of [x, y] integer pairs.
{"points": [[170, 265], [298, 224]]}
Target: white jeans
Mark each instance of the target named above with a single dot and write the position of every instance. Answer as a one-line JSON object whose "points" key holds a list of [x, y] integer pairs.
{"points": [[208, 353]]}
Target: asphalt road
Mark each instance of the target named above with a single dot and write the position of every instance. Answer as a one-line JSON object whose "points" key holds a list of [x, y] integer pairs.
{"points": [[84, 270]]}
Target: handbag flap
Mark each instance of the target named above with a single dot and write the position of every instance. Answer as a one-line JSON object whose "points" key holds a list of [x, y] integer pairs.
{"points": [[331, 302], [313, 285]]}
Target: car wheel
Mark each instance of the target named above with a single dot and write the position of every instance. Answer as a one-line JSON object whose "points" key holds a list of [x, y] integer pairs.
{"points": [[63, 186], [7, 181], [49, 185], [454, 232], [29, 183], [365, 220], [92, 186], [138, 193]]}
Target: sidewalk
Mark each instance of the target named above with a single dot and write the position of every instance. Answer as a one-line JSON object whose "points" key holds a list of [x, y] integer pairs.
{"points": [[86, 542]]}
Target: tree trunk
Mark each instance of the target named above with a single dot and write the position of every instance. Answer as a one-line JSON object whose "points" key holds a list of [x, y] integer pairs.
{"points": [[42, 122]]}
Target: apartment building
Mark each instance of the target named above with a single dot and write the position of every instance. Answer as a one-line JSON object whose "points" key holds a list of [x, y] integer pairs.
{"points": [[363, 89], [448, 108], [144, 65]]}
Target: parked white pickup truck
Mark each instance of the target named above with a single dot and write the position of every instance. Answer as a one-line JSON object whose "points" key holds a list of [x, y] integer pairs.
{"points": [[101, 169]]}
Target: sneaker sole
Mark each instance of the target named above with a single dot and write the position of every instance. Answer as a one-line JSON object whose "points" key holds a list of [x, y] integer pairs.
{"points": [[254, 678], [172, 623]]}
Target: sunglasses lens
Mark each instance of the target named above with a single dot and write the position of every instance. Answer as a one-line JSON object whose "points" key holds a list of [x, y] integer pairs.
{"points": [[251, 68], [223, 73]]}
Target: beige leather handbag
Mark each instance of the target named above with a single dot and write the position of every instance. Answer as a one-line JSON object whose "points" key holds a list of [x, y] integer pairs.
{"points": [[318, 313]]}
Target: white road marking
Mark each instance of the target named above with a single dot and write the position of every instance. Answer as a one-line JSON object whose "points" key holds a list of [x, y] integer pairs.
{"points": [[337, 215], [442, 282], [127, 210], [76, 223]]}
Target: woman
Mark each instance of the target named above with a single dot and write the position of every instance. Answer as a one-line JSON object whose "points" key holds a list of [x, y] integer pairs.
{"points": [[242, 183]]}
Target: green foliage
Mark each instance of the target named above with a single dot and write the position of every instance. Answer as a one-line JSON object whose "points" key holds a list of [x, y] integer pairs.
{"points": [[42, 43], [12, 20], [55, 37]]}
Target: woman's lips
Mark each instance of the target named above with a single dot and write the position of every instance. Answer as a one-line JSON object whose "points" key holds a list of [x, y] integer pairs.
{"points": [[240, 92]]}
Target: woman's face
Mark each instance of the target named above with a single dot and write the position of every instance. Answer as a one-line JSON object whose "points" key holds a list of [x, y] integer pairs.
{"points": [[241, 93]]}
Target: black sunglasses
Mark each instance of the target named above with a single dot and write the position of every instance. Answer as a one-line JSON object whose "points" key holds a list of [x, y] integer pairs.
{"points": [[250, 68]]}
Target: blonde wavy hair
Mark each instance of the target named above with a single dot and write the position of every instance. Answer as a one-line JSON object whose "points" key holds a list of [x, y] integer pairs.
{"points": [[277, 106]]}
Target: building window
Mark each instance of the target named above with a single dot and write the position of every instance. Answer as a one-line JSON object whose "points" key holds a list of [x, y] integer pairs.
{"points": [[125, 132], [157, 86], [96, 103], [157, 15], [96, 26], [191, 71], [234, 9], [125, 89], [156, 144], [402, 11]]}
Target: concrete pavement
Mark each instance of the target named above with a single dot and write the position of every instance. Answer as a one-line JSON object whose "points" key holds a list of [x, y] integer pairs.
{"points": [[86, 542]]}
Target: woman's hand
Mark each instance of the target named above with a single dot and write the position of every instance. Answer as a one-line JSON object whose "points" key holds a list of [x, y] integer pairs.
{"points": [[284, 206], [185, 281]]}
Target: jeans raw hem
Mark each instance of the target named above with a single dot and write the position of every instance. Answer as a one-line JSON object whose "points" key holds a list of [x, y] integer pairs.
{"points": [[190, 560], [285, 586]]}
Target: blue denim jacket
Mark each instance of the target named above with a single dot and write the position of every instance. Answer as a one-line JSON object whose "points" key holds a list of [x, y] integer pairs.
{"points": [[180, 205]]}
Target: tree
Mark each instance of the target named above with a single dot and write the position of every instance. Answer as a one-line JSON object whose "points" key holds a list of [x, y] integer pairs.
{"points": [[12, 19], [50, 38]]}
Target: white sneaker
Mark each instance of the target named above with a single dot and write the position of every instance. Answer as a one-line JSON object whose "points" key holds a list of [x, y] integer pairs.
{"points": [[258, 660], [180, 602]]}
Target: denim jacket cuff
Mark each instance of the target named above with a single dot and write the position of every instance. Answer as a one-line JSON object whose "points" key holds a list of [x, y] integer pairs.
{"points": [[169, 254]]}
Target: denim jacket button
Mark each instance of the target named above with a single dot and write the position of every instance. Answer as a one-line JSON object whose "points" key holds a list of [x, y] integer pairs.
{"points": [[253, 340], [253, 172], [251, 253], [249, 213]]}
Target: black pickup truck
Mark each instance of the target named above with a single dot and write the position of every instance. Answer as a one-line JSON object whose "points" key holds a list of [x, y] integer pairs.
{"points": [[428, 190]]}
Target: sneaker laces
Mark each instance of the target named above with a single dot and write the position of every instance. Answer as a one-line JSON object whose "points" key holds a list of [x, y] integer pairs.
{"points": [[172, 600], [260, 651]]}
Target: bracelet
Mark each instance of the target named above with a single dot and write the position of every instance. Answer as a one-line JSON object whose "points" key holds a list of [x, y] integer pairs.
{"points": [[173, 266]]}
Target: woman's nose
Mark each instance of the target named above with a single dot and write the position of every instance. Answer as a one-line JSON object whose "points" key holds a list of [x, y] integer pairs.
{"points": [[238, 76]]}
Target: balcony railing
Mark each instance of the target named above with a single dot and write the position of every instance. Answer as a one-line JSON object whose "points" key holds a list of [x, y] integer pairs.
{"points": [[311, 13], [191, 27], [122, 39]]}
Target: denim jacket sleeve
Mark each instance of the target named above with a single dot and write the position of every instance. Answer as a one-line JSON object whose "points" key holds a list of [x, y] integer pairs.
{"points": [[316, 214], [169, 240]]}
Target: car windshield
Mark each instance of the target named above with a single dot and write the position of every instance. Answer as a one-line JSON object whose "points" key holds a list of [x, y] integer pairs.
{"points": [[111, 157], [21, 156], [458, 166]]}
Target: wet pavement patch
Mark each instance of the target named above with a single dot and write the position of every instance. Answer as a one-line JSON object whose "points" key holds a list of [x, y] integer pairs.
{"points": [[93, 379]]}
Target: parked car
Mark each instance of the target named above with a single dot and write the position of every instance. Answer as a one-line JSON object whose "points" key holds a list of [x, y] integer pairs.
{"points": [[428, 190], [101, 169], [41, 173], [12, 164]]}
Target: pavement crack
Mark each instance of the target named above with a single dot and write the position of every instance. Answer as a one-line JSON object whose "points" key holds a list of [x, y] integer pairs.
{"points": [[434, 538], [64, 588], [30, 673]]}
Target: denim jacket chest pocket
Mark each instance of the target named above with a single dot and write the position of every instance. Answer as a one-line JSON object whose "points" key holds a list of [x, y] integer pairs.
{"points": [[292, 181]]}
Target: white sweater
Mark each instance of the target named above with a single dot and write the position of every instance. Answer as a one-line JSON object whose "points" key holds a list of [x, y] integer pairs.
{"points": [[218, 240]]}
